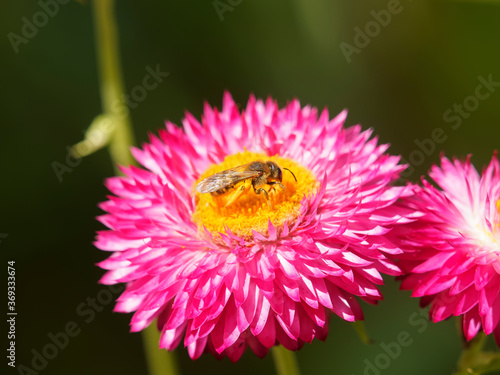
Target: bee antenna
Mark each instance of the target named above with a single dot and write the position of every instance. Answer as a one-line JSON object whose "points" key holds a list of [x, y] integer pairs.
{"points": [[291, 173]]}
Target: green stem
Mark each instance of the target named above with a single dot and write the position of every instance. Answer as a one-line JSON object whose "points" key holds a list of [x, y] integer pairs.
{"points": [[472, 355], [160, 362], [359, 326], [111, 82], [285, 361]]}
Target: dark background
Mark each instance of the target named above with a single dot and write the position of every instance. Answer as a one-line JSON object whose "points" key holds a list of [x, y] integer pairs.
{"points": [[428, 57]]}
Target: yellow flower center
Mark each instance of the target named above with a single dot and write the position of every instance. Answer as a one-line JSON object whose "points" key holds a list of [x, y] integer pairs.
{"points": [[240, 209]]}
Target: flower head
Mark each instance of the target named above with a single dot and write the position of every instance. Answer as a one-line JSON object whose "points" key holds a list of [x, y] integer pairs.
{"points": [[453, 257], [240, 266]]}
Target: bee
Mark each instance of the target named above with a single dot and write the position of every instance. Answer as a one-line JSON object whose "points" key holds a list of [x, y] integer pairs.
{"points": [[261, 173]]}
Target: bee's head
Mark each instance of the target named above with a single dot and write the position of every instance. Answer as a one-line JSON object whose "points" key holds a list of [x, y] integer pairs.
{"points": [[275, 171]]}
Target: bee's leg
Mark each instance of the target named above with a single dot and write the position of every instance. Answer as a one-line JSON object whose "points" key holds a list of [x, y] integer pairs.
{"points": [[276, 183], [235, 195], [260, 190]]}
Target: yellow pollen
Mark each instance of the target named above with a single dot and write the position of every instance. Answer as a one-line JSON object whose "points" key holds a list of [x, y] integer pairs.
{"points": [[249, 211]]}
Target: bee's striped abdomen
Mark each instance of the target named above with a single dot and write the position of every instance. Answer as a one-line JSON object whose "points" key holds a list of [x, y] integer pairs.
{"points": [[222, 191]]}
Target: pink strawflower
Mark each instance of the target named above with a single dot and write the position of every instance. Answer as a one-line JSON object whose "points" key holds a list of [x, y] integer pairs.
{"points": [[222, 276], [453, 261]]}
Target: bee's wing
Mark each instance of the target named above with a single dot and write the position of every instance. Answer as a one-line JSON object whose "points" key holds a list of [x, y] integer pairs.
{"points": [[222, 179]]}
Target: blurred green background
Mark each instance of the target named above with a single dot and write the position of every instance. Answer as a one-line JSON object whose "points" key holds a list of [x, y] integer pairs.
{"points": [[424, 60]]}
